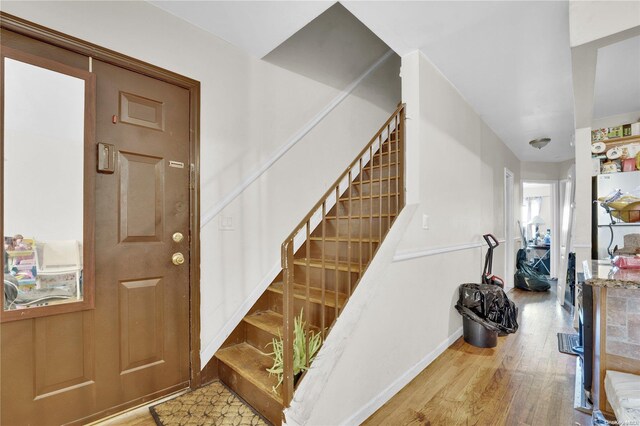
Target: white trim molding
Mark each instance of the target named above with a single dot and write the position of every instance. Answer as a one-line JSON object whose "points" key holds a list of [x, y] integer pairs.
{"points": [[403, 255], [378, 401], [297, 137], [582, 246]]}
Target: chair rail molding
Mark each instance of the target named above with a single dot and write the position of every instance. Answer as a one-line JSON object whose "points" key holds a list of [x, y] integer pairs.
{"points": [[582, 245], [402, 255], [297, 137]]}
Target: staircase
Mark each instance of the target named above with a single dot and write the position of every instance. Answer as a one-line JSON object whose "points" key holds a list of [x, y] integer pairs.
{"points": [[323, 260]]}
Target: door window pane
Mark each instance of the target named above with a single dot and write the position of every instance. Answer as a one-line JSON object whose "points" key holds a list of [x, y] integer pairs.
{"points": [[43, 169]]}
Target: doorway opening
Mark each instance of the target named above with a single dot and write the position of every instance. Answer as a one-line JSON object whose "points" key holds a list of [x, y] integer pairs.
{"points": [[539, 220], [509, 221]]}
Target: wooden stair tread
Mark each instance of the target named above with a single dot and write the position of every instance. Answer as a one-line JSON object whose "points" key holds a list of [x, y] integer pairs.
{"points": [[251, 364], [377, 166], [315, 294], [268, 321], [377, 154], [343, 239], [357, 197], [359, 216], [368, 181], [271, 321], [328, 264]]}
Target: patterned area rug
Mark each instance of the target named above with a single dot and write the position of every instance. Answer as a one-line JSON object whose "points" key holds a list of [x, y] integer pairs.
{"points": [[213, 404]]}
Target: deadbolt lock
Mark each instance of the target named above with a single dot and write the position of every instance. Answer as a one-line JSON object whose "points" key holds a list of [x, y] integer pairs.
{"points": [[177, 237], [177, 258]]}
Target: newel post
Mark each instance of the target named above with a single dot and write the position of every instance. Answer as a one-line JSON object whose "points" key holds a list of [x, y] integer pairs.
{"points": [[288, 325]]}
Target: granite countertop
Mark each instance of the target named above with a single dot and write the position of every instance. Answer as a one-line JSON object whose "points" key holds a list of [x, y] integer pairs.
{"points": [[600, 273]]}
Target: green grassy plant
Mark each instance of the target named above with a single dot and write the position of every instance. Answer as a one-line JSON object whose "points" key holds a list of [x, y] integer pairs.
{"points": [[299, 351]]}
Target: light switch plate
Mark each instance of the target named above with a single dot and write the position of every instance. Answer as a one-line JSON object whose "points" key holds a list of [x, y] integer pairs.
{"points": [[425, 221], [226, 223]]}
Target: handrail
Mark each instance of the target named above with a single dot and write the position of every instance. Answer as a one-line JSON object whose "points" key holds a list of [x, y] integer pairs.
{"points": [[342, 176], [347, 262]]}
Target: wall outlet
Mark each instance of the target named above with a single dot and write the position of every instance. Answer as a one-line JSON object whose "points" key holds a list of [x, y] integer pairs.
{"points": [[425, 221], [226, 223]]}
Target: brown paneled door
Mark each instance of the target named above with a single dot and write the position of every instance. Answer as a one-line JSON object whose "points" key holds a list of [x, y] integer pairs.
{"points": [[142, 236], [134, 346]]}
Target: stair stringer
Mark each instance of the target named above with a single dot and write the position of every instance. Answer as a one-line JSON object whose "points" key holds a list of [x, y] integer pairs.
{"points": [[333, 347]]}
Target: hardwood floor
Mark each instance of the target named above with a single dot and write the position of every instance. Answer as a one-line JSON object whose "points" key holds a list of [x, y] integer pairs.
{"points": [[522, 381]]}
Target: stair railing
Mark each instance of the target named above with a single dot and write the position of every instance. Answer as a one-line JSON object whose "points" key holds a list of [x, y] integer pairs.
{"points": [[393, 131]]}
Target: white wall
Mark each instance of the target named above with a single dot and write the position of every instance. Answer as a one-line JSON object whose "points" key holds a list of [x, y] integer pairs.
{"points": [[565, 169], [544, 171], [249, 109], [583, 199], [409, 316]]}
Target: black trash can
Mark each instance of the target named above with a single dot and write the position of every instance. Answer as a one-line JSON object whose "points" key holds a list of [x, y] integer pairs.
{"points": [[486, 311], [478, 335]]}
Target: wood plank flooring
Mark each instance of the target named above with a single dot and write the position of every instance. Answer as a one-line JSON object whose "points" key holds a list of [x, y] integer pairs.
{"points": [[522, 381]]}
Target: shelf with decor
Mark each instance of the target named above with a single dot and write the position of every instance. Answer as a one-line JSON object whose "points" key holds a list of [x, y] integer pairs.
{"points": [[614, 142], [619, 154]]}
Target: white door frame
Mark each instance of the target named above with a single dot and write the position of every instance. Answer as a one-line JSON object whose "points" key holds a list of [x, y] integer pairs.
{"points": [[509, 222], [566, 239]]}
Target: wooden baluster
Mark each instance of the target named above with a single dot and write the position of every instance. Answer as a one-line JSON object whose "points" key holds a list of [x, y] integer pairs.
{"points": [[349, 236], [397, 151], [389, 175], [307, 302], [401, 140], [360, 222], [335, 290], [324, 271], [371, 200], [380, 187], [288, 318]]}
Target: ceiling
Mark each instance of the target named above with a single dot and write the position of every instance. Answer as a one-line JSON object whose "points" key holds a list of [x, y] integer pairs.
{"points": [[510, 60], [257, 27], [617, 85]]}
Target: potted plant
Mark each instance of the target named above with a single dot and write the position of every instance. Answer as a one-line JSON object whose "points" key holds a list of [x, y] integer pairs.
{"points": [[299, 351]]}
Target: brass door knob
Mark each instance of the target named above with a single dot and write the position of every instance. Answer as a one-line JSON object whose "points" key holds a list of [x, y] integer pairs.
{"points": [[177, 237], [177, 258]]}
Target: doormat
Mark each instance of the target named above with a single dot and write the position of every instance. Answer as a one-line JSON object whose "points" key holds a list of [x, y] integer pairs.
{"points": [[566, 343], [214, 404]]}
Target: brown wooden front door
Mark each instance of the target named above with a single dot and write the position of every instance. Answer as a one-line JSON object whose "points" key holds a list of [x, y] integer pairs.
{"points": [[142, 297], [134, 346]]}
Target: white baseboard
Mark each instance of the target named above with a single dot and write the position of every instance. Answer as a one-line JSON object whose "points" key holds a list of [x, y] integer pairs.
{"points": [[372, 406], [212, 347]]}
